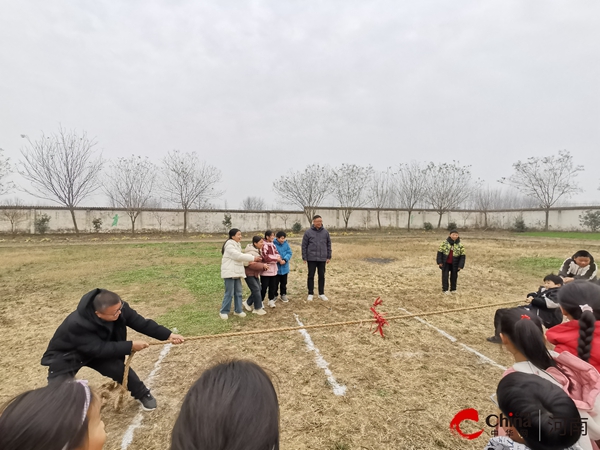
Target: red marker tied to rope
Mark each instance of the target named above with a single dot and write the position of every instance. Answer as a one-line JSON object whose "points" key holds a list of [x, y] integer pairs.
{"points": [[379, 319]]}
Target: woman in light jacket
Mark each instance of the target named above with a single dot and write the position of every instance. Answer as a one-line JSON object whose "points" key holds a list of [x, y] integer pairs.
{"points": [[232, 271]]}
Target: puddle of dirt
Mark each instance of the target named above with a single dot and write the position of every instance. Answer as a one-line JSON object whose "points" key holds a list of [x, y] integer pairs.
{"points": [[379, 260]]}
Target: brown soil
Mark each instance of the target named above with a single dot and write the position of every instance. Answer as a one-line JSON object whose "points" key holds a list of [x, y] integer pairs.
{"points": [[402, 390]]}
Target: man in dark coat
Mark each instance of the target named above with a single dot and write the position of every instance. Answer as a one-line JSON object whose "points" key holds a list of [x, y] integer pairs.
{"points": [[95, 335], [316, 252]]}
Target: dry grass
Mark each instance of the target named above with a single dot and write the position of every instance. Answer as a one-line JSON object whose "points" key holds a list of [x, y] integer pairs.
{"points": [[402, 391]]}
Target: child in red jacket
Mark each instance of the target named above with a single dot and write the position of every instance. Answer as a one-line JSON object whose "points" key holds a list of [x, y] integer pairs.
{"points": [[580, 303]]}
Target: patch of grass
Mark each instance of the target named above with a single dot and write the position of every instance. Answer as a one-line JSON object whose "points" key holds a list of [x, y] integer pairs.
{"points": [[563, 234], [538, 265]]}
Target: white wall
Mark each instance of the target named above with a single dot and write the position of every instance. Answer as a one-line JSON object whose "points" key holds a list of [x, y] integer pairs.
{"points": [[210, 221]]}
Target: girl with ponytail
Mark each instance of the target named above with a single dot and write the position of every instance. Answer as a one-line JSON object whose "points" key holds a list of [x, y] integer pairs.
{"points": [[580, 303], [523, 337]]}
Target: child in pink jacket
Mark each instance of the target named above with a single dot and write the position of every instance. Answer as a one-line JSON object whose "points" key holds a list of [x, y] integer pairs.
{"points": [[268, 279]]}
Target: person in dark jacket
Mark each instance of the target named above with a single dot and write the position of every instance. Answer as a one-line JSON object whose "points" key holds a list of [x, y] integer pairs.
{"points": [[95, 336], [451, 259], [316, 253], [543, 303], [580, 266]]}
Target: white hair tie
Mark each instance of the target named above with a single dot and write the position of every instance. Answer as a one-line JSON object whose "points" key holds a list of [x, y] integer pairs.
{"points": [[86, 406], [586, 308]]}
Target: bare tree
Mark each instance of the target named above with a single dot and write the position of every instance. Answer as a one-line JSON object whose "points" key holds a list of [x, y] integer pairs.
{"points": [[5, 186], [130, 184], [306, 189], [380, 191], [285, 217], [187, 181], [348, 183], [409, 183], [448, 186], [61, 168], [546, 179], [155, 205], [12, 211], [253, 204]]}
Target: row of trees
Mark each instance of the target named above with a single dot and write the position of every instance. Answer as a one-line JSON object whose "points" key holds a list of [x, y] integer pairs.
{"points": [[65, 168], [536, 182]]}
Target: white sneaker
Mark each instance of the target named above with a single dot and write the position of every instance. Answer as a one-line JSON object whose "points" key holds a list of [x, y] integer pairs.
{"points": [[284, 299], [242, 314], [309, 298], [260, 312], [246, 306], [446, 292], [272, 303], [322, 297], [223, 316]]}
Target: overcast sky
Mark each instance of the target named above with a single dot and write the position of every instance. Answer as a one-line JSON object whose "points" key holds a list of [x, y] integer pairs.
{"points": [[261, 87]]}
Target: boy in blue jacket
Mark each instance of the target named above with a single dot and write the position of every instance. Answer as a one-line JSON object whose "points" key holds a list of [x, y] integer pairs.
{"points": [[283, 267]]}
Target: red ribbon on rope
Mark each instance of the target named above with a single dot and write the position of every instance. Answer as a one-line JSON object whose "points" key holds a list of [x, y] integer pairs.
{"points": [[379, 319]]}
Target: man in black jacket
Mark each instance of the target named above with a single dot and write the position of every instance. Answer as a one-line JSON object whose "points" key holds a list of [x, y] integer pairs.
{"points": [[316, 253], [95, 335]]}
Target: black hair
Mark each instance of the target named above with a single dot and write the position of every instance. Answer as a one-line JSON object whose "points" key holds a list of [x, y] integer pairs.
{"points": [[571, 298], [280, 234], [316, 216], [232, 406], [256, 239], [268, 233], [453, 231], [533, 406], [527, 336], [105, 299], [555, 279], [582, 254], [47, 418], [232, 233]]}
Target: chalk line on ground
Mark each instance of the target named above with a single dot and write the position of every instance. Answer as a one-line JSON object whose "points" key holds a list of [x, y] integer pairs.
{"points": [[454, 340], [137, 421], [338, 389]]}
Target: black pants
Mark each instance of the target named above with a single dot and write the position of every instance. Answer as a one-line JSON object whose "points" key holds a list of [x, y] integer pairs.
{"points": [[112, 368], [449, 269], [254, 299], [319, 267], [269, 283], [281, 284]]}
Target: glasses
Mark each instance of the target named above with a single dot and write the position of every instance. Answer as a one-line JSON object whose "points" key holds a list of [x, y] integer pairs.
{"points": [[117, 312]]}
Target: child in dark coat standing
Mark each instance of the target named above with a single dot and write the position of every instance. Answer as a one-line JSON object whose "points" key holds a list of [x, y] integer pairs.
{"points": [[451, 259]]}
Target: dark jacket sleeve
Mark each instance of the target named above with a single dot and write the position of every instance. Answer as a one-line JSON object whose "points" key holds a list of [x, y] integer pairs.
{"points": [[439, 258], [564, 270], [305, 245], [328, 246], [90, 346], [145, 326], [461, 261]]}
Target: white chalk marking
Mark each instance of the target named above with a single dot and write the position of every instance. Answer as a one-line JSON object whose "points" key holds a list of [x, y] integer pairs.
{"points": [[453, 339], [338, 389], [137, 421]]}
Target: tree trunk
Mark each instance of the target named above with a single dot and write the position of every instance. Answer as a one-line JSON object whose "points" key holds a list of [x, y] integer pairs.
{"points": [[74, 221], [547, 217], [185, 221], [409, 216], [133, 224], [440, 221], [485, 220], [378, 220], [346, 216]]}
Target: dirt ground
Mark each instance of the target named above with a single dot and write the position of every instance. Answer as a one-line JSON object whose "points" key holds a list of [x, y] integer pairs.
{"points": [[402, 391]]}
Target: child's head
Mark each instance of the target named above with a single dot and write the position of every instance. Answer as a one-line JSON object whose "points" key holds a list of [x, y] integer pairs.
{"points": [[257, 241], [232, 406], [63, 415], [534, 405], [454, 234], [552, 281], [269, 236], [582, 258], [281, 236], [581, 300], [523, 331]]}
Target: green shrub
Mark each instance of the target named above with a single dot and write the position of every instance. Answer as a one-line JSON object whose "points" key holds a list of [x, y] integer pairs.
{"points": [[591, 220], [427, 226], [97, 223], [297, 227], [519, 225], [41, 223], [452, 226], [227, 221]]}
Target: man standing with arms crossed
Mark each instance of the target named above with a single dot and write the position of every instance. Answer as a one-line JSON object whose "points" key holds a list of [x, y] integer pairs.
{"points": [[316, 252]]}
